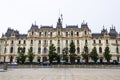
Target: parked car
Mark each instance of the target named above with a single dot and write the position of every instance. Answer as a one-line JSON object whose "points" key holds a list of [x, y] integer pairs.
{"points": [[46, 63], [13, 64]]}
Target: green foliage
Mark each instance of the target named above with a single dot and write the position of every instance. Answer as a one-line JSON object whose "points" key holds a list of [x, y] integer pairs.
{"points": [[107, 54], [72, 52], [72, 48], [94, 56], [52, 53], [64, 54], [85, 54], [21, 56], [30, 56]]}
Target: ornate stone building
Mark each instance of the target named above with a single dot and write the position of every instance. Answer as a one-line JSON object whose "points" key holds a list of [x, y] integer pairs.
{"points": [[39, 39]]}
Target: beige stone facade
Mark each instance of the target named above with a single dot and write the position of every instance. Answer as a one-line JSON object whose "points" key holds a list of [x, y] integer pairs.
{"points": [[38, 39]]}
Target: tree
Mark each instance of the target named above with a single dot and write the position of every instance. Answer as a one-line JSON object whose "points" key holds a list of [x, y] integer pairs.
{"points": [[85, 54], [107, 54], [94, 56], [72, 52], [52, 53], [30, 56], [21, 56], [65, 54]]}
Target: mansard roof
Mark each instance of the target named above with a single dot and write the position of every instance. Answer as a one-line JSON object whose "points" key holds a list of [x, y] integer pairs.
{"points": [[22, 36], [72, 26], [46, 27], [96, 35], [10, 31], [34, 27]]}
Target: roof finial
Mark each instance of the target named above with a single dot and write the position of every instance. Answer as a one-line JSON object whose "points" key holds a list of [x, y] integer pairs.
{"points": [[35, 22]]}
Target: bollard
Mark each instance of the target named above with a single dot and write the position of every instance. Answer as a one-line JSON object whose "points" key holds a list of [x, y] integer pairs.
{"points": [[5, 66]]}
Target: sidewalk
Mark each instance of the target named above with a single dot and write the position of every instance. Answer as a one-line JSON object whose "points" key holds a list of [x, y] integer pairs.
{"points": [[60, 74]]}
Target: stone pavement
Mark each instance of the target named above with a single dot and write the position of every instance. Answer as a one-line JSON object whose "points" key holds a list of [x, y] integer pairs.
{"points": [[60, 74]]}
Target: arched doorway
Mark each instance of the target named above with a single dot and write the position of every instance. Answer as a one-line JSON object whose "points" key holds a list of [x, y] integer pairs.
{"points": [[11, 59], [44, 58]]}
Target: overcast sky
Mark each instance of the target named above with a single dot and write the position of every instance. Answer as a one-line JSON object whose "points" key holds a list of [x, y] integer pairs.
{"points": [[20, 14]]}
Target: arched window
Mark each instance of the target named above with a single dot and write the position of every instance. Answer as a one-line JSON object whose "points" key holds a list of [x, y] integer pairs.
{"points": [[39, 50], [5, 50], [106, 41], [50, 34], [99, 41], [71, 33], [94, 41], [66, 34], [23, 50], [39, 33], [85, 32], [116, 42], [12, 42], [100, 50], [85, 41], [58, 32], [31, 49], [78, 50], [77, 41], [39, 41], [31, 41], [50, 41], [117, 50], [58, 49], [45, 50], [66, 41], [77, 33], [11, 50], [19, 42], [45, 33]]}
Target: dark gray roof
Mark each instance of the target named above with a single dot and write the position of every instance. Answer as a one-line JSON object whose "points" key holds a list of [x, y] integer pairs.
{"points": [[10, 31], [96, 35], [71, 26], [46, 27], [22, 36], [84, 26], [34, 27]]}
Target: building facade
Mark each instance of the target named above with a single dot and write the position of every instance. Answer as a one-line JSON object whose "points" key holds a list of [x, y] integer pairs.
{"points": [[39, 39]]}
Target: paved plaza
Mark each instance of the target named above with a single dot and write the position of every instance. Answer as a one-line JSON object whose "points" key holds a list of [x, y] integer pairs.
{"points": [[60, 74]]}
